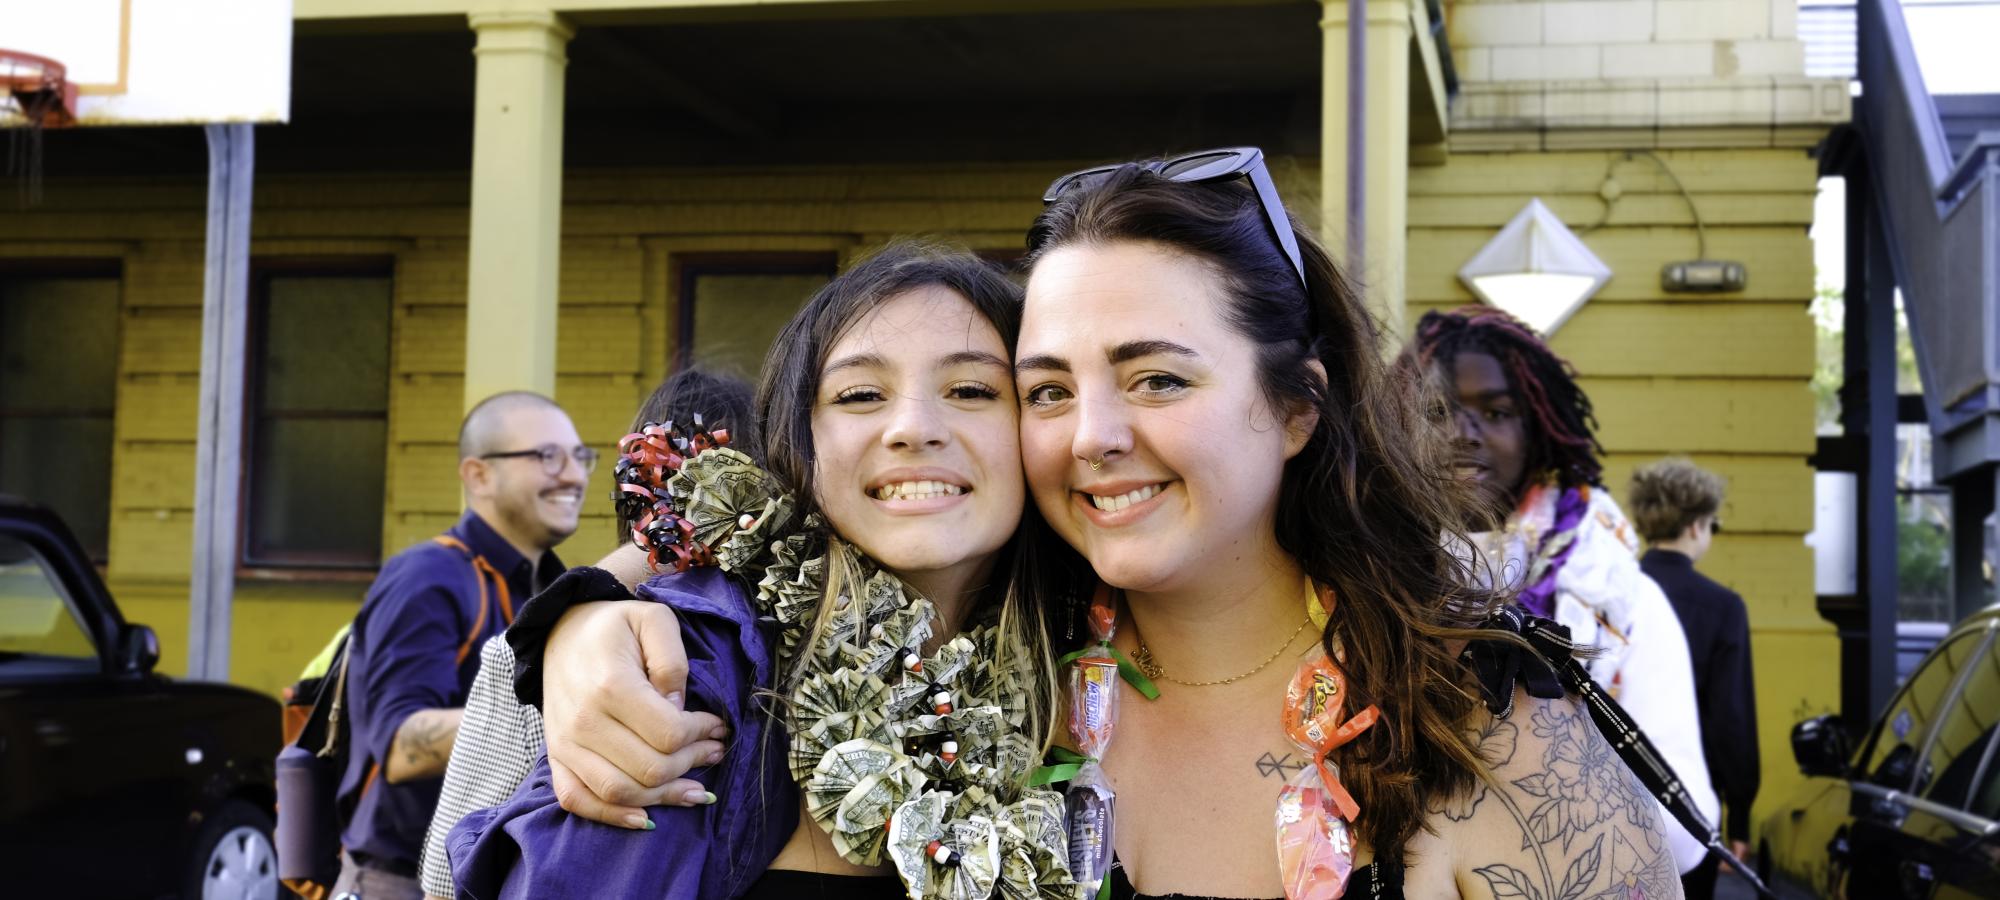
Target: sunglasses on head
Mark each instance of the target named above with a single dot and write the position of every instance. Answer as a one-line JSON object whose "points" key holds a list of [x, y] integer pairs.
{"points": [[1206, 167]]}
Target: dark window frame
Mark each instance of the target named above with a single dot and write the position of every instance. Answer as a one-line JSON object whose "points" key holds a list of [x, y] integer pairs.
{"points": [[692, 266], [251, 559], [82, 267]]}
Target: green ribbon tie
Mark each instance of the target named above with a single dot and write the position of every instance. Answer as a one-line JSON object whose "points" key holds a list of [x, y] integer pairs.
{"points": [[1067, 763], [1126, 669]]}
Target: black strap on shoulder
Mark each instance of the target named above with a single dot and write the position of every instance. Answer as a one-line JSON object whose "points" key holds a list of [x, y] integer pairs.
{"points": [[1549, 670], [322, 734]]}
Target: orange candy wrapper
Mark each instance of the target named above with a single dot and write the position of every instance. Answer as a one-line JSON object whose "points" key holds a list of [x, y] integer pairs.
{"points": [[1093, 704], [1315, 837]]}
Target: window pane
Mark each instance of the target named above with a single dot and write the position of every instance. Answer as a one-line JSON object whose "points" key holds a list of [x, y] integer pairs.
{"points": [[317, 494], [65, 465], [318, 443], [1962, 736], [58, 385], [58, 344], [736, 316], [1892, 758], [326, 345], [33, 615]]}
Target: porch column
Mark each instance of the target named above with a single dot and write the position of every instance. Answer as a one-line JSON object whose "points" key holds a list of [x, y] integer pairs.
{"points": [[516, 232], [1384, 212]]}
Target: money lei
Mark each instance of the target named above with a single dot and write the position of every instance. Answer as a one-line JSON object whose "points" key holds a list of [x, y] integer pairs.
{"points": [[919, 758]]}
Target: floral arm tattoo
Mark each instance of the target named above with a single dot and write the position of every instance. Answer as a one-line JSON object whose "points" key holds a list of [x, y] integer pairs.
{"points": [[422, 745], [1589, 830]]}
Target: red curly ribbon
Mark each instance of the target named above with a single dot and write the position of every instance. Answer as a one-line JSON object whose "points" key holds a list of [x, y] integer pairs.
{"points": [[647, 459]]}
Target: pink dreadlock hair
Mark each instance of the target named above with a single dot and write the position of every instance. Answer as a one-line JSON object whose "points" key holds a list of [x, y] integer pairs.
{"points": [[1563, 427]]}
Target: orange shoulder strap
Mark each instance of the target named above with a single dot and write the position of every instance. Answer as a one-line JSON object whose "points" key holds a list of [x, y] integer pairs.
{"points": [[481, 572]]}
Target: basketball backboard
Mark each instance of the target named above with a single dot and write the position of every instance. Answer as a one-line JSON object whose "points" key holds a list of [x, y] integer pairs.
{"points": [[159, 62]]}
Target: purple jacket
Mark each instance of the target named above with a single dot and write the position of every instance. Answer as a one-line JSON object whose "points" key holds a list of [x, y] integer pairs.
{"points": [[529, 847]]}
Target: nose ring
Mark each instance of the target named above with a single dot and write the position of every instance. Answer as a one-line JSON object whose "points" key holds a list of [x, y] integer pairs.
{"points": [[1096, 464]]}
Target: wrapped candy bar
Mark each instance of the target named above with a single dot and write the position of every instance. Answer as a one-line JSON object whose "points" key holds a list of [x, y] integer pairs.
{"points": [[1314, 814], [1087, 815], [1093, 703]]}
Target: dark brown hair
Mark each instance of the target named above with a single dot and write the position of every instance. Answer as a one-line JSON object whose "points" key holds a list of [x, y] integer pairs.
{"points": [[790, 388], [722, 400], [1362, 507], [1668, 496], [1562, 426]]}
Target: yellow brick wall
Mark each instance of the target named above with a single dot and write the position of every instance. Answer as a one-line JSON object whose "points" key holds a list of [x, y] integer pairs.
{"points": [[1721, 378]]}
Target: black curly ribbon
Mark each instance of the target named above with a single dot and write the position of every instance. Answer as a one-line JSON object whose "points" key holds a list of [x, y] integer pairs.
{"points": [[647, 460], [1549, 670]]}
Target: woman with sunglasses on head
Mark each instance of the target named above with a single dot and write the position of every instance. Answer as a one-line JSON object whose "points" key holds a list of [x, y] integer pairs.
{"points": [[1252, 510], [845, 613]]}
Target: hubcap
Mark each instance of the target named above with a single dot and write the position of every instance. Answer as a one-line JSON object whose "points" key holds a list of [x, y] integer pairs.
{"points": [[243, 866]]}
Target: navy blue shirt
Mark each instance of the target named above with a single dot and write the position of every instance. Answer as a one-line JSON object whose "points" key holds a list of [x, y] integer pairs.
{"points": [[404, 656]]}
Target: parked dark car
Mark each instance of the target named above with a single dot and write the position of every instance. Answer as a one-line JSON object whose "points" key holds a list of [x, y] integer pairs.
{"points": [[1910, 814], [116, 781]]}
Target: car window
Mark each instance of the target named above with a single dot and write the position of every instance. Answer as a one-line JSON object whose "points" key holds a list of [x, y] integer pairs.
{"points": [[1957, 747], [1892, 750], [34, 617]]}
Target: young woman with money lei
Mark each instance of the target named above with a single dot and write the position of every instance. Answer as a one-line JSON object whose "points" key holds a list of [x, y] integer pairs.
{"points": [[844, 612], [1257, 521]]}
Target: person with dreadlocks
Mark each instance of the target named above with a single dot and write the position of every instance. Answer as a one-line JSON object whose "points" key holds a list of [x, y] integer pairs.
{"points": [[1526, 443]]}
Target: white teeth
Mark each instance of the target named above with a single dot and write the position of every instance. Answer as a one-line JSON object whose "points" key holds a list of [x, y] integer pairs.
{"points": [[916, 490], [1120, 501]]}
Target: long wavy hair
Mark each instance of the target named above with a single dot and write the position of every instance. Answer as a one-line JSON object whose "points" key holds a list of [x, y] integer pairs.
{"points": [[1367, 507], [784, 406]]}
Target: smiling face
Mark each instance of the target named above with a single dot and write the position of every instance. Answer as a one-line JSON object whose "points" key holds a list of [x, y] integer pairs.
{"points": [[917, 455], [1126, 359], [516, 494], [1490, 446]]}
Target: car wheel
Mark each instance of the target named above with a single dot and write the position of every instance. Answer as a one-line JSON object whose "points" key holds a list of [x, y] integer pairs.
{"points": [[233, 857]]}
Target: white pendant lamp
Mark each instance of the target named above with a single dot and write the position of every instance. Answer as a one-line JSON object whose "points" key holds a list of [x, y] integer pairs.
{"points": [[1536, 269]]}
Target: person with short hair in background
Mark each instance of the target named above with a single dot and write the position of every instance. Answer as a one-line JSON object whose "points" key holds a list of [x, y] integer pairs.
{"points": [[413, 649], [500, 737], [1675, 504]]}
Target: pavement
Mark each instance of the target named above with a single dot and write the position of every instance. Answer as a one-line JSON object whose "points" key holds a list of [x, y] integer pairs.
{"points": [[1729, 886]]}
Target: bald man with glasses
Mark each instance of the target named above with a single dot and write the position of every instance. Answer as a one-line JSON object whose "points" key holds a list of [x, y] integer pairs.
{"points": [[413, 653]]}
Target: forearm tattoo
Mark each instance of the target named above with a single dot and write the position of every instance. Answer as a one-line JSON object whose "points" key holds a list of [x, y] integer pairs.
{"points": [[423, 743], [1587, 823]]}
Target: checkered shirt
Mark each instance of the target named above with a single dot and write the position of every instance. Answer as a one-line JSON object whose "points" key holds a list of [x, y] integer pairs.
{"points": [[499, 741]]}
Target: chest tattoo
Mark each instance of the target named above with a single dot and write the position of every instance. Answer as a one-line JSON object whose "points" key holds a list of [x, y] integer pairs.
{"points": [[1271, 765]]}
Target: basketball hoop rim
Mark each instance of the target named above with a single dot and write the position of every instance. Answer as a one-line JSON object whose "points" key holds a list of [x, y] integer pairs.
{"points": [[49, 74], [48, 81]]}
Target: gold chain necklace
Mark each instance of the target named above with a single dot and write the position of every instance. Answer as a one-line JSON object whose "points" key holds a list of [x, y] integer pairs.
{"points": [[1143, 658]]}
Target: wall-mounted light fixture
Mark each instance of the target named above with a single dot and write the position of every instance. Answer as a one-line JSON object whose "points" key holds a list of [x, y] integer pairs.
{"points": [[1536, 269], [1700, 275]]}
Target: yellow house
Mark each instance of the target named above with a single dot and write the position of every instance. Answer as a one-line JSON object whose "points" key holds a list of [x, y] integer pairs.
{"points": [[573, 196]]}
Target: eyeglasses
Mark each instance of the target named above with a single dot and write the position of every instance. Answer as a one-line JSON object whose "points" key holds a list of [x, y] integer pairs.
{"points": [[1207, 167], [552, 457]]}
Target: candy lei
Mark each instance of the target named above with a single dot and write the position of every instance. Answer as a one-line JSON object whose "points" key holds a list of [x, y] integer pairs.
{"points": [[1314, 813], [918, 758]]}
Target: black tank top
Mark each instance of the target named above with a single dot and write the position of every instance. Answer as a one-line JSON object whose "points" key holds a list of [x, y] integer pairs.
{"points": [[787, 884], [1374, 881], [1370, 882]]}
